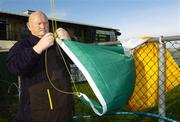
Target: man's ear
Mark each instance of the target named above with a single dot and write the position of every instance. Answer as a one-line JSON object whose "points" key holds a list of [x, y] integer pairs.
{"points": [[27, 24]]}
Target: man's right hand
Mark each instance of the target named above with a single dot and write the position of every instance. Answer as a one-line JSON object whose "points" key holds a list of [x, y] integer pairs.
{"points": [[45, 42]]}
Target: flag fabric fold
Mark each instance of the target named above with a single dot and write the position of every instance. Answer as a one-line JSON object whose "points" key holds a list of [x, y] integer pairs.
{"points": [[110, 73]]}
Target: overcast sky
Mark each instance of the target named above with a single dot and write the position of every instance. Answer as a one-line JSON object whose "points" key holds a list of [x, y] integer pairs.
{"points": [[134, 18]]}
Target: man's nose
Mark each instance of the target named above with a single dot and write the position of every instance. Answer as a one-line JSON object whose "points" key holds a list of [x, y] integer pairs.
{"points": [[42, 25]]}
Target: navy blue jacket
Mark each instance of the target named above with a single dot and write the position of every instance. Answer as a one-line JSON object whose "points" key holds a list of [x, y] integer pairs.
{"points": [[25, 62]]}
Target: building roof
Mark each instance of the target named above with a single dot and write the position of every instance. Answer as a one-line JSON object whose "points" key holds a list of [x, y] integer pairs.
{"points": [[26, 14]]}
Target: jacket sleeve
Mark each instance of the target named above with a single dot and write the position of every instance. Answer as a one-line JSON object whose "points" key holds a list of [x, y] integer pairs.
{"points": [[21, 59]]}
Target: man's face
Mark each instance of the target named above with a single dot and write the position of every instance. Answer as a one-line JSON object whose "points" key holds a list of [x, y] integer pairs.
{"points": [[38, 25]]}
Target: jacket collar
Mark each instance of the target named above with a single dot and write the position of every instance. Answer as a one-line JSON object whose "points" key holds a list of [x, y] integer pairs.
{"points": [[33, 39]]}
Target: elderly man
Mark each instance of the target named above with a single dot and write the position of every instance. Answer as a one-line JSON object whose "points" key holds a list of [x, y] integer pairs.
{"points": [[39, 101]]}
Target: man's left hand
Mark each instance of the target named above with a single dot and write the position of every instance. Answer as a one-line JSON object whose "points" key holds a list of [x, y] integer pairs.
{"points": [[62, 34]]}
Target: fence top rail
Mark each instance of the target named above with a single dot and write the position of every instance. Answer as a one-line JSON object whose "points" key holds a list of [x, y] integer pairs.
{"points": [[153, 39], [165, 38], [110, 43]]}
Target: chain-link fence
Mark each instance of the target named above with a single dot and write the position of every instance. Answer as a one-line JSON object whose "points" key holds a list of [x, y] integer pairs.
{"points": [[158, 74], [157, 86]]}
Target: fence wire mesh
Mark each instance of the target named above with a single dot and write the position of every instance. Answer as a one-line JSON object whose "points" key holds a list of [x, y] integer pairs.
{"points": [[157, 82]]}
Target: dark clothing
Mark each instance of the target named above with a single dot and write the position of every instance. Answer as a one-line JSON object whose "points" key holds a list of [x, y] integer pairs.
{"points": [[30, 66]]}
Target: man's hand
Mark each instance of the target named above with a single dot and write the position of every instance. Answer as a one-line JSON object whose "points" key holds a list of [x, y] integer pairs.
{"points": [[45, 42], [62, 34]]}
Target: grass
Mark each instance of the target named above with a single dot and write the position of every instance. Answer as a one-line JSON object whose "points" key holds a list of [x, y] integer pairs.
{"points": [[172, 109]]}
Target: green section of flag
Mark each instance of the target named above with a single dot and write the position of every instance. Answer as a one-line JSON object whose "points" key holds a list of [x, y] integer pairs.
{"points": [[112, 72]]}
